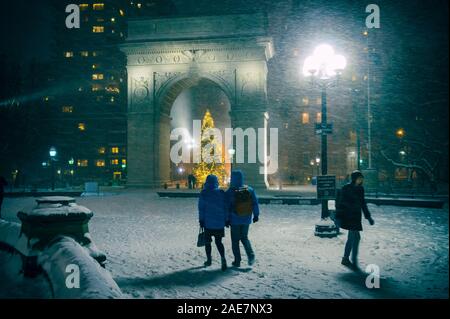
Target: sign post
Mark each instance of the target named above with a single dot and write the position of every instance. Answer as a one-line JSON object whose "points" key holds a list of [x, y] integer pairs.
{"points": [[326, 190], [326, 187]]}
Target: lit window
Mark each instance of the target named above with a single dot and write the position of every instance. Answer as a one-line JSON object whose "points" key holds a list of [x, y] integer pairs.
{"points": [[319, 101], [319, 117], [121, 13], [100, 163], [115, 150], [305, 118], [67, 109], [68, 54], [112, 89], [95, 53], [305, 101], [84, 53], [353, 78], [139, 5], [98, 6], [400, 133], [82, 162], [98, 29], [95, 66], [83, 6], [97, 76], [124, 162], [102, 150], [96, 87], [81, 126], [115, 161]]}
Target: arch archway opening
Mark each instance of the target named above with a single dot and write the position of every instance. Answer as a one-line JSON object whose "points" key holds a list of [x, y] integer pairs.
{"points": [[188, 100]]}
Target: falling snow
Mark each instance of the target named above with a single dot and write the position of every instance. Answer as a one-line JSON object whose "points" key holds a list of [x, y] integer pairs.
{"points": [[150, 244]]}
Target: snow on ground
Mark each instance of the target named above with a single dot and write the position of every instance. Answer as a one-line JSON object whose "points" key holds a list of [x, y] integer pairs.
{"points": [[150, 244]]}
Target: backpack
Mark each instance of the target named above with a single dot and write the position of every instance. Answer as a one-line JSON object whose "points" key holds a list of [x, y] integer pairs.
{"points": [[243, 204]]}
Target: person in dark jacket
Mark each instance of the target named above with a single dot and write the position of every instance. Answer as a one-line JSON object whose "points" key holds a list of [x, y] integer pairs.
{"points": [[213, 217], [350, 203], [3, 183], [240, 224]]}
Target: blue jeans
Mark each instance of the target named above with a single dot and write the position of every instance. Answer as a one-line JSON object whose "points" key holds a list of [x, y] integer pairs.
{"points": [[239, 233], [352, 245]]}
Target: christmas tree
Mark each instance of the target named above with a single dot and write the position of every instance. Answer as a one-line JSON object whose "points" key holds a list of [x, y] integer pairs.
{"points": [[211, 148]]}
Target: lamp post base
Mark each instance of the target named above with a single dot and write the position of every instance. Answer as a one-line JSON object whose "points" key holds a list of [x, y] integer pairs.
{"points": [[326, 228]]}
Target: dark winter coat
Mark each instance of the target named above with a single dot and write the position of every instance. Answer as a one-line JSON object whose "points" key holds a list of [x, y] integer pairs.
{"points": [[3, 183], [349, 204], [237, 180], [211, 205]]}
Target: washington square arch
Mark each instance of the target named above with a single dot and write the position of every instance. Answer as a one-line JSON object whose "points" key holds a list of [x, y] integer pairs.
{"points": [[168, 55]]}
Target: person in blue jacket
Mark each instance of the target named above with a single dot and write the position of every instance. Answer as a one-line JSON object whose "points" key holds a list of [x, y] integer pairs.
{"points": [[213, 217], [240, 224]]}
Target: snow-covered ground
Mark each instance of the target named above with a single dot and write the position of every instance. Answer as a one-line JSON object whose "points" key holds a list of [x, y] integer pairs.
{"points": [[150, 244]]}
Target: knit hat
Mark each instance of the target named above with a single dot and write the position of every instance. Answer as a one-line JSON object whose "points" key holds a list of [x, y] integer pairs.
{"points": [[355, 175]]}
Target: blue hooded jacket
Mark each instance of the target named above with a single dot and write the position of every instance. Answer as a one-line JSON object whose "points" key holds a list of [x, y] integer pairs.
{"points": [[211, 204], [237, 180]]}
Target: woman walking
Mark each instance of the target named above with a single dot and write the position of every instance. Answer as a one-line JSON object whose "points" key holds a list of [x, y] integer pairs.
{"points": [[350, 203], [213, 217]]}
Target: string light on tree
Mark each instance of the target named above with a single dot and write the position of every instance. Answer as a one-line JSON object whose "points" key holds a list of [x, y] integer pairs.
{"points": [[211, 149]]}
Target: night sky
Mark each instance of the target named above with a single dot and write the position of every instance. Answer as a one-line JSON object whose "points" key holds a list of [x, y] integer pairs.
{"points": [[415, 34], [26, 33]]}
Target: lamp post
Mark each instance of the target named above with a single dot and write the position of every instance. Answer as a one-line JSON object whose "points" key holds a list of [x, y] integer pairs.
{"points": [[312, 168], [324, 68], [317, 165], [231, 152], [52, 152]]}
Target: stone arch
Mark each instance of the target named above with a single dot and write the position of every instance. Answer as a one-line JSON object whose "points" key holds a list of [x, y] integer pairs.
{"points": [[165, 56]]}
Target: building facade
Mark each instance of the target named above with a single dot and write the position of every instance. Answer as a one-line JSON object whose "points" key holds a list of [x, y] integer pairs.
{"points": [[89, 105]]}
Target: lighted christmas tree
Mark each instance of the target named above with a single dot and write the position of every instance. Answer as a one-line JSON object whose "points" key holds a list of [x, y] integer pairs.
{"points": [[212, 148]]}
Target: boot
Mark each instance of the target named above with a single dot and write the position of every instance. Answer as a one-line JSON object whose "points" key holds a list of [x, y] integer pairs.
{"points": [[236, 264], [208, 262], [224, 264], [251, 260], [347, 263]]}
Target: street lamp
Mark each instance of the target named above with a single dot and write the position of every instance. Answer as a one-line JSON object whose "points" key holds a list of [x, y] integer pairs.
{"points": [[52, 152], [324, 68]]}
